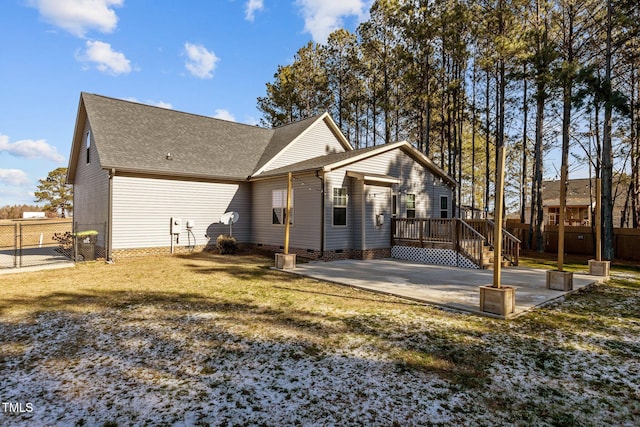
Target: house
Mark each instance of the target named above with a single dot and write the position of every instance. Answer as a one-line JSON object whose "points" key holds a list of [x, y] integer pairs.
{"points": [[581, 202], [135, 168]]}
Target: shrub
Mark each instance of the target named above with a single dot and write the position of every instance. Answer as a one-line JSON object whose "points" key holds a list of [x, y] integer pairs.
{"points": [[226, 244], [64, 239]]}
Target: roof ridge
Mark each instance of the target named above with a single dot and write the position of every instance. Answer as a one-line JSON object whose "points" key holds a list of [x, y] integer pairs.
{"points": [[173, 110], [311, 118]]}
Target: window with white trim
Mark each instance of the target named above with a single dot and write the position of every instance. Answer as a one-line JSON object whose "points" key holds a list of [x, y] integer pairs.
{"points": [[339, 206], [88, 146], [410, 202], [444, 207], [279, 207]]}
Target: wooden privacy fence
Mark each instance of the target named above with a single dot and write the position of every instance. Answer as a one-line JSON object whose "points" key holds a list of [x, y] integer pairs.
{"points": [[581, 240]]}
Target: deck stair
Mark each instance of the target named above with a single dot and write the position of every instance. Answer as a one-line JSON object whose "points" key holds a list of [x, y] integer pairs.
{"points": [[510, 243]]}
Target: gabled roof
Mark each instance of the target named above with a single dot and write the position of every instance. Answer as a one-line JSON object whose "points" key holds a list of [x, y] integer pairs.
{"points": [[580, 191], [137, 138], [282, 137], [332, 161], [286, 135]]}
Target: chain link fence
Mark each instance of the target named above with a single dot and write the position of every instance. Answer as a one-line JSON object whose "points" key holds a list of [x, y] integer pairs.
{"points": [[41, 242], [31, 243]]}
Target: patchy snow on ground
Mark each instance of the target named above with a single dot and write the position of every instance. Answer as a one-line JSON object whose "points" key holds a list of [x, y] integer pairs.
{"points": [[144, 365], [113, 366]]}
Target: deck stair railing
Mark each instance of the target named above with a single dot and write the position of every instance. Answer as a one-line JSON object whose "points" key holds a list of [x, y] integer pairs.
{"points": [[471, 238], [510, 243]]}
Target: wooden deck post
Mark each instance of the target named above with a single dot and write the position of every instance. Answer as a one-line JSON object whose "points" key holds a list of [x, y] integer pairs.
{"points": [[598, 219], [287, 222], [598, 267], [497, 229], [563, 208]]}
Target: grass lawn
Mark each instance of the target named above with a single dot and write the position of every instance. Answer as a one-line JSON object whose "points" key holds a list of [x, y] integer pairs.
{"points": [[204, 339]]}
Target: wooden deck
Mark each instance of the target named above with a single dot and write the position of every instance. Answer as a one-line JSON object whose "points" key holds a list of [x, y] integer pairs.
{"points": [[473, 239]]}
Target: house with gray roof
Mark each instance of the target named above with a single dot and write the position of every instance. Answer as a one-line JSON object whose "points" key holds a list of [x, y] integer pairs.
{"points": [[135, 167]]}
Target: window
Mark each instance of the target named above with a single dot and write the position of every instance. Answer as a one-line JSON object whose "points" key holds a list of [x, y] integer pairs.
{"points": [[411, 205], [394, 206], [444, 207], [279, 207], [88, 146], [339, 206]]}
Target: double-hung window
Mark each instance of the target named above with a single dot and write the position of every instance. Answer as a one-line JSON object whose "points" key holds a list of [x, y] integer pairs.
{"points": [[339, 206], [411, 205], [279, 207]]}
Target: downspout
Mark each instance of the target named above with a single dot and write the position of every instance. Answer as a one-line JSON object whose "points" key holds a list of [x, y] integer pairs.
{"points": [[320, 176], [363, 218], [109, 241]]}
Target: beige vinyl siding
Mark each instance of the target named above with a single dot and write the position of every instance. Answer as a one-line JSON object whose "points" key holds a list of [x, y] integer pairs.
{"points": [[377, 200], [355, 213], [307, 198], [340, 237], [414, 179], [143, 207], [318, 140], [90, 190]]}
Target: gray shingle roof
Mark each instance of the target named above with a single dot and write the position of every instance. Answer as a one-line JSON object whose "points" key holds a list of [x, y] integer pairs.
{"points": [[317, 162], [578, 191], [136, 137]]}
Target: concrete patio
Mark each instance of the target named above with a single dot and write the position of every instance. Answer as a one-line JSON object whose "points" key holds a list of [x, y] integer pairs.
{"points": [[449, 287]]}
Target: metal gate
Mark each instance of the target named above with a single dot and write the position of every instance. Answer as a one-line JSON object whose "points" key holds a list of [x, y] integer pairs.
{"points": [[34, 242]]}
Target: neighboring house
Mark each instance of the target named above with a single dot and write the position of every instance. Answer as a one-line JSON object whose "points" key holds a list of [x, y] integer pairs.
{"points": [[134, 167], [581, 202]]}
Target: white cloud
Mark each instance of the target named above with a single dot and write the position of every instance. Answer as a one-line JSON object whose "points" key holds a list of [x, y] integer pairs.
{"points": [[79, 16], [30, 149], [321, 17], [201, 62], [106, 59], [251, 8], [160, 104], [13, 177], [224, 115]]}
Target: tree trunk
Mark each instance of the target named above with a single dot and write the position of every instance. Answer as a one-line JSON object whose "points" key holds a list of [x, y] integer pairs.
{"points": [[525, 108], [538, 167], [487, 172], [607, 154]]}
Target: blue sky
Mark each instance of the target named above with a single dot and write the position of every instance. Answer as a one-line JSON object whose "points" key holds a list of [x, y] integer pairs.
{"points": [[208, 57]]}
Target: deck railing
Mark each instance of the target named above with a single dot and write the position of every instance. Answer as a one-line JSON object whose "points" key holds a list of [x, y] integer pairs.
{"points": [[510, 243], [465, 236], [444, 233]]}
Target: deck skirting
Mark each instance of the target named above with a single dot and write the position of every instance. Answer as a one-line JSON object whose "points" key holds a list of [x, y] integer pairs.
{"points": [[432, 255]]}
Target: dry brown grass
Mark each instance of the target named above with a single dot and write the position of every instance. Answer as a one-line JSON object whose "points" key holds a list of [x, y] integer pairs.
{"points": [[203, 312], [252, 298]]}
